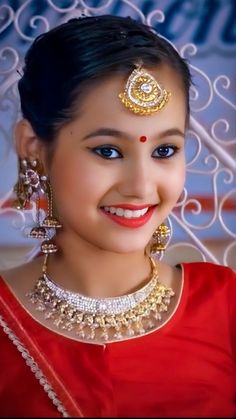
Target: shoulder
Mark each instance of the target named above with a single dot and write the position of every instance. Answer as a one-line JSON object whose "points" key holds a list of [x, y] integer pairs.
{"points": [[210, 277], [15, 283], [208, 268], [21, 278]]}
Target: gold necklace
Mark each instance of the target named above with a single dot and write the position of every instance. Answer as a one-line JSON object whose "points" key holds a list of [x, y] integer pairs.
{"points": [[102, 319]]}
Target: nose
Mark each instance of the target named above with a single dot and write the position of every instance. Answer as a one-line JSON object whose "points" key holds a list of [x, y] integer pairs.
{"points": [[139, 180]]}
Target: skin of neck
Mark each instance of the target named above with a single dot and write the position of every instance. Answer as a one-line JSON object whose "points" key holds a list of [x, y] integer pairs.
{"points": [[81, 267]]}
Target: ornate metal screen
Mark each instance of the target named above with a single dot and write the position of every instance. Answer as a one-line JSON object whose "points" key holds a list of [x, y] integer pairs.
{"points": [[204, 220]]}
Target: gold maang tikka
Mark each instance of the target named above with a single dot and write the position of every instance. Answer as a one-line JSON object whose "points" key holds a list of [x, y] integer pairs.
{"points": [[143, 95]]}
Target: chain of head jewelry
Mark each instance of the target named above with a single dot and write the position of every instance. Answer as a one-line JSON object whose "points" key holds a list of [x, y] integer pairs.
{"points": [[102, 318]]}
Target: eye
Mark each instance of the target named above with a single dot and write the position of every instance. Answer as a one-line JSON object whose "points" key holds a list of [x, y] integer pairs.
{"points": [[165, 151], [107, 152]]}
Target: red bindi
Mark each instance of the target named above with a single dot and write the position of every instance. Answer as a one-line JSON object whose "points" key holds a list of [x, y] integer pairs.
{"points": [[143, 138]]}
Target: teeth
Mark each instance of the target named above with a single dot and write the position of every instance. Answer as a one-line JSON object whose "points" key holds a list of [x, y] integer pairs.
{"points": [[126, 213]]}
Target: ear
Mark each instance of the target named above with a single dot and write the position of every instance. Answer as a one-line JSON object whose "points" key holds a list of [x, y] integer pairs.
{"points": [[28, 145]]}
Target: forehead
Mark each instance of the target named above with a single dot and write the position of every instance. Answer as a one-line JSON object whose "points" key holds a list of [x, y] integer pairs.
{"points": [[102, 106]]}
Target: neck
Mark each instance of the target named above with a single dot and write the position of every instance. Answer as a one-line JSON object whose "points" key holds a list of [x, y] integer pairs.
{"points": [[89, 270]]}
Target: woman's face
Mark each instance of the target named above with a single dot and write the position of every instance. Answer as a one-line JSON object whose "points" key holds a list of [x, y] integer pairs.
{"points": [[111, 189]]}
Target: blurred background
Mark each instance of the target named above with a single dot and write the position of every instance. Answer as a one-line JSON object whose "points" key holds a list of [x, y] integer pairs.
{"points": [[204, 32]]}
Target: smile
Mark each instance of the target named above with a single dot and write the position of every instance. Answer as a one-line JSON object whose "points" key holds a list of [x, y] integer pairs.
{"points": [[127, 217], [127, 213]]}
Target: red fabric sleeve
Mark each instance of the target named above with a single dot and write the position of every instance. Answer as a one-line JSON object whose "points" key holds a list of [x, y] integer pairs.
{"points": [[232, 308]]}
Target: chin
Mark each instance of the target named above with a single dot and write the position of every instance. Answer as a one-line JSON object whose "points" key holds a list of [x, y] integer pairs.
{"points": [[125, 248]]}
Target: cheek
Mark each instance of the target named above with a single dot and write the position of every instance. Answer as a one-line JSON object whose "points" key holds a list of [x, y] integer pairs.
{"points": [[173, 183], [77, 182]]}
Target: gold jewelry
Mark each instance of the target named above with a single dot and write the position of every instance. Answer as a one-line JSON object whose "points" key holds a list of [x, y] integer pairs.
{"points": [[50, 222], [102, 319], [33, 182], [160, 240], [143, 95], [30, 180]]}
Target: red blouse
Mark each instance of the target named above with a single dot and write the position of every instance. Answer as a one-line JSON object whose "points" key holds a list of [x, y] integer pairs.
{"points": [[184, 369]]}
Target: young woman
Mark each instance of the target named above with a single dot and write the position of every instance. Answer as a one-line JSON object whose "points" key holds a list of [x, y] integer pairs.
{"points": [[96, 325]]}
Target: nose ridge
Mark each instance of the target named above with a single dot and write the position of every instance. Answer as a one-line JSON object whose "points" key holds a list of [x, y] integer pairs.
{"points": [[138, 182]]}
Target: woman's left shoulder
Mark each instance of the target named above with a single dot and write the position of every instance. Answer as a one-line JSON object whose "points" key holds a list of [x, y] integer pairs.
{"points": [[209, 267], [210, 272]]}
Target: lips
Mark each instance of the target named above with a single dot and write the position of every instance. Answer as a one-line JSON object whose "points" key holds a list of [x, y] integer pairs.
{"points": [[131, 216]]}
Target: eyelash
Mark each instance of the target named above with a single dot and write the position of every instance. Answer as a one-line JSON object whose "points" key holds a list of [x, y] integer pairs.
{"points": [[110, 149], [166, 147]]}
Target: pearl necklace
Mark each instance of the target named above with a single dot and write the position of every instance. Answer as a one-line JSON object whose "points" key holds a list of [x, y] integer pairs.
{"points": [[102, 319]]}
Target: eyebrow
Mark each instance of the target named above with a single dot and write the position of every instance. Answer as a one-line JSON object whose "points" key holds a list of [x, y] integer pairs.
{"points": [[111, 132]]}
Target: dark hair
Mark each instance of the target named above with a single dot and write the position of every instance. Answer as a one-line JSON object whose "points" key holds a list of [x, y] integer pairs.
{"points": [[63, 61]]}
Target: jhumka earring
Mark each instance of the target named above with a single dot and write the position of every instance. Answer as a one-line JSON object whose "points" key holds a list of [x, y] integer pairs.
{"points": [[143, 95], [32, 184], [160, 240]]}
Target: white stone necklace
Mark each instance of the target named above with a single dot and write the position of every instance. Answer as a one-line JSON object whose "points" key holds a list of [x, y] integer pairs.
{"points": [[108, 306]]}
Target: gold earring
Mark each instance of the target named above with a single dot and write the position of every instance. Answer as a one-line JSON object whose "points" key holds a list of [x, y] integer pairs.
{"points": [[30, 180], [33, 182], [50, 222], [160, 240]]}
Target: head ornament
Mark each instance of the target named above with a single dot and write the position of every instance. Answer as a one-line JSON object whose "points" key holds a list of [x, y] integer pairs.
{"points": [[143, 95]]}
